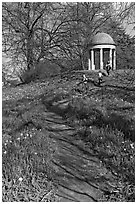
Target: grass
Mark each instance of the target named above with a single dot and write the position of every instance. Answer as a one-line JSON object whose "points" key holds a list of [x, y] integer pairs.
{"points": [[25, 170], [102, 116], [27, 154], [104, 120]]}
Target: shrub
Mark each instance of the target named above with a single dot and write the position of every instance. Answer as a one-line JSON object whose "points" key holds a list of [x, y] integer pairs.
{"points": [[26, 76], [42, 70]]}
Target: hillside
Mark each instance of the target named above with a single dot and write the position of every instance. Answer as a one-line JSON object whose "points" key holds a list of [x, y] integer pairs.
{"points": [[64, 140]]}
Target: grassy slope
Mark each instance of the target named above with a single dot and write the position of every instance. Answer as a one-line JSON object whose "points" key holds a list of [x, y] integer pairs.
{"points": [[104, 120], [27, 150]]}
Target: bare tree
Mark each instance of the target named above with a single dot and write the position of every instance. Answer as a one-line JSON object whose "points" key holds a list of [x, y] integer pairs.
{"points": [[20, 23], [56, 31], [34, 31]]}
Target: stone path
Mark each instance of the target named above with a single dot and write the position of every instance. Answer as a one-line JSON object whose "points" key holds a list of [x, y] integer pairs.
{"points": [[80, 175]]}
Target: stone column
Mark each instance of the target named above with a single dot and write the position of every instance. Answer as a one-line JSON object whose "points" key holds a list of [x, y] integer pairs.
{"points": [[89, 61], [101, 58], [110, 56], [114, 60], [92, 60], [89, 64]]}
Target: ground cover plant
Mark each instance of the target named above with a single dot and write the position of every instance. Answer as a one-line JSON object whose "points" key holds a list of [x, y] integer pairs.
{"points": [[102, 116], [104, 120], [27, 153]]}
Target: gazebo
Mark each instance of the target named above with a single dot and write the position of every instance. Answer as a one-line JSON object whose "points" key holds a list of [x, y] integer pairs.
{"points": [[102, 49]]}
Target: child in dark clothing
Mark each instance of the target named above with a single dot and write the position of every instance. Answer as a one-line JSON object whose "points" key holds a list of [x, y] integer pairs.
{"points": [[108, 67]]}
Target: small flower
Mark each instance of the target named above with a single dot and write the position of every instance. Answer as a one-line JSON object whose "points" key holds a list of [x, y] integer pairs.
{"points": [[5, 152], [20, 179], [18, 138], [132, 145]]}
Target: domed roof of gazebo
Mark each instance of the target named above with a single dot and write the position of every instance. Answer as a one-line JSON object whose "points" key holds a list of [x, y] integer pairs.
{"points": [[101, 39]]}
